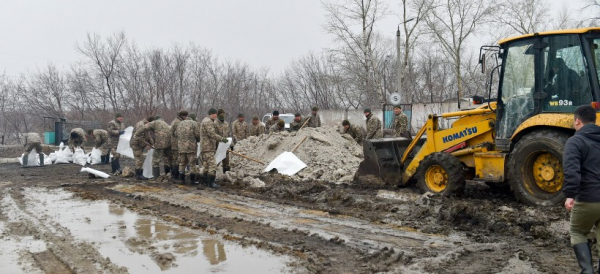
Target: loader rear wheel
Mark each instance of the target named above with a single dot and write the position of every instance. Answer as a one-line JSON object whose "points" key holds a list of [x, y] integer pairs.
{"points": [[441, 173], [535, 169]]}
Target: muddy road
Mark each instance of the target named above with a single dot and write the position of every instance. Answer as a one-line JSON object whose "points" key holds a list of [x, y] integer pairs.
{"points": [[54, 219]]}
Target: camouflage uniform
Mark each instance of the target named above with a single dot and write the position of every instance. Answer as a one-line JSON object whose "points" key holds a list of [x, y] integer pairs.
{"points": [[373, 127], [275, 128], [209, 139], [162, 140], [315, 120], [240, 131], [256, 130], [400, 124], [114, 128], [33, 140], [101, 140], [295, 126], [355, 132], [77, 141], [174, 145], [222, 129], [270, 123], [188, 132], [139, 140]]}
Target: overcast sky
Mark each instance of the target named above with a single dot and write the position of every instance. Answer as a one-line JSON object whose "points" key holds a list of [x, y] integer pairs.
{"points": [[262, 33]]}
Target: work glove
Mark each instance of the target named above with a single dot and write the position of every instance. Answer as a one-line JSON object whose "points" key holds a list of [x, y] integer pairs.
{"points": [[224, 140], [121, 132]]}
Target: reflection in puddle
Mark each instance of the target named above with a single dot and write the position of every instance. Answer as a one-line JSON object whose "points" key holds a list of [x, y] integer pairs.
{"points": [[145, 244]]}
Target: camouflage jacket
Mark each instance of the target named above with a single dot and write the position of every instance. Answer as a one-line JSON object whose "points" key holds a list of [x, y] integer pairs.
{"points": [[270, 123], [188, 135], [257, 130], [373, 128], [275, 128], [240, 130], [81, 135], [32, 137], [400, 124], [355, 132], [174, 139], [100, 137], [315, 120], [113, 129], [295, 126], [162, 133], [140, 137], [222, 128], [208, 135]]}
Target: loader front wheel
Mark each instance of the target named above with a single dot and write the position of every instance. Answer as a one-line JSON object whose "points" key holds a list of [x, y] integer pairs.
{"points": [[535, 168], [441, 173]]}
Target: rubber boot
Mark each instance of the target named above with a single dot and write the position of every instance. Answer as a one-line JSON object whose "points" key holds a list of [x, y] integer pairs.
{"points": [[584, 257], [42, 159], [182, 178], [167, 169], [155, 172], [25, 160], [116, 166], [139, 174], [211, 181], [225, 169], [204, 179], [192, 178], [175, 172]]}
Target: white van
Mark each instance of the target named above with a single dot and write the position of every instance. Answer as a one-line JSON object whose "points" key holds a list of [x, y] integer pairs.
{"points": [[286, 117]]}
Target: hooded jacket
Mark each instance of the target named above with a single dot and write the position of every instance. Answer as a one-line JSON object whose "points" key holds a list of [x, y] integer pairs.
{"points": [[581, 165]]}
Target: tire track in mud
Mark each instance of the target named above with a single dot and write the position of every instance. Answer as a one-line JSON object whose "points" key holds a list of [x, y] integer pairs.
{"points": [[62, 253]]}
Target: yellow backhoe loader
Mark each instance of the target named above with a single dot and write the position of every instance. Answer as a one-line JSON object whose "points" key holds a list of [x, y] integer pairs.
{"points": [[517, 139]]}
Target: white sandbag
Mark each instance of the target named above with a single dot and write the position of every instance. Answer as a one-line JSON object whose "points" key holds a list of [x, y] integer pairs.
{"points": [[148, 165], [79, 157], [32, 160], [286, 163], [51, 157], [95, 157], [123, 147], [62, 157], [222, 151], [95, 172], [47, 160]]}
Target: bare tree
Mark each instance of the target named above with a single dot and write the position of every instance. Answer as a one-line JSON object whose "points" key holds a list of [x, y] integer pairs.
{"points": [[522, 16], [451, 24]]}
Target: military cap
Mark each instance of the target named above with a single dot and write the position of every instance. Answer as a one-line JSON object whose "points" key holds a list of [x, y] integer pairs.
{"points": [[345, 123], [183, 112], [281, 123], [240, 115], [254, 117], [212, 111], [193, 116], [367, 110], [220, 111], [118, 114], [157, 117], [150, 118], [398, 106], [275, 113], [315, 108], [297, 114]]}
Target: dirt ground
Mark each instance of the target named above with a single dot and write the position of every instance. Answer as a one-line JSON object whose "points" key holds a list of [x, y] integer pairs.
{"points": [[295, 227]]}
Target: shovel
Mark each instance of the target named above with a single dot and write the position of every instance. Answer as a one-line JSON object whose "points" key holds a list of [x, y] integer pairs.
{"points": [[287, 163]]}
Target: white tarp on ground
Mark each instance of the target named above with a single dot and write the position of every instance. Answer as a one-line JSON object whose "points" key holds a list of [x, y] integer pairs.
{"points": [[95, 172], [32, 160], [123, 147], [286, 163], [222, 151], [148, 165]]}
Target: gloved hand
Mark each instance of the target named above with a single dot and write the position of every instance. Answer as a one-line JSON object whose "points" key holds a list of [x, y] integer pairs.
{"points": [[231, 148], [224, 140], [121, 132]]}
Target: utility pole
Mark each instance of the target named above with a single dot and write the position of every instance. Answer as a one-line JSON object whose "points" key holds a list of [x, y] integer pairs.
{"points": [[399, 62]]}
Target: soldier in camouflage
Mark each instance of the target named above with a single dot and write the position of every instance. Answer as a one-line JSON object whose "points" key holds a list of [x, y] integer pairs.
{"points": [[115, 129], [314, 118], [209, 139], [353, 131], [139, 140], [400, 121], [174, 161], [33, 141], [101, 142], [188, 135], [240, 129], [279, 127], [297, 123], [373, 126], [76, 138], [222, 129], [256, 127], [272, 121], [162, 142]]}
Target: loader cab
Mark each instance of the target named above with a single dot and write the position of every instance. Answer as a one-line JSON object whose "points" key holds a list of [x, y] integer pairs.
{"points": [[553, 72]]}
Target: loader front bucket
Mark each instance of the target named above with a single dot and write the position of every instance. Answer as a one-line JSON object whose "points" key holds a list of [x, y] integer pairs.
{"points": [[382, 161]]}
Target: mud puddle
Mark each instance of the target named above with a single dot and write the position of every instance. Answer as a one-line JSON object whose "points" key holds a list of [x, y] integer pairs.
{"points": [[137, 243]]}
